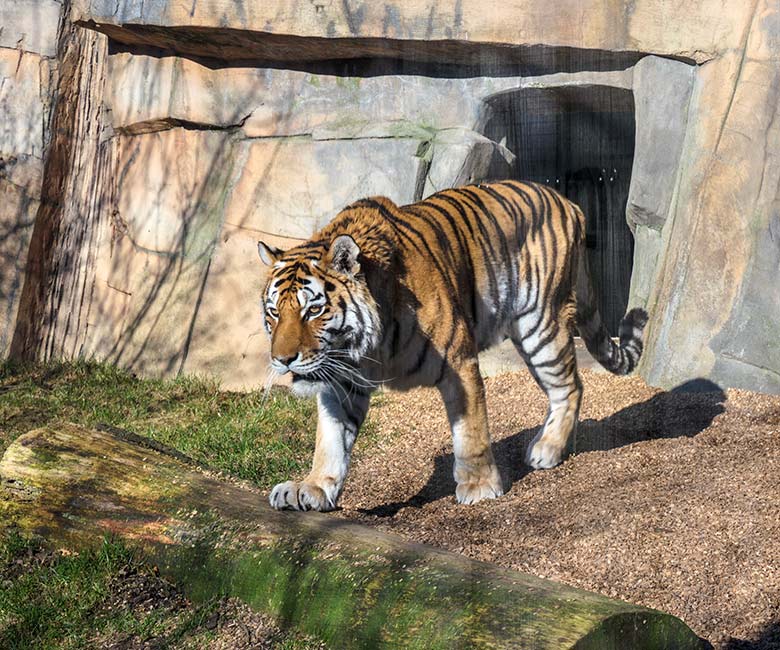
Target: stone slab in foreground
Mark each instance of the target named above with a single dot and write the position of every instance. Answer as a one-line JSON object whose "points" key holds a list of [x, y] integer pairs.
{"points": [[346, 583]]}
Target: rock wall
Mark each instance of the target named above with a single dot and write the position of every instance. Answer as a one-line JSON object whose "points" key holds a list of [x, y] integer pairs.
{"points": [[715, 305], [171, 139], [259, 153], [28, 45]]}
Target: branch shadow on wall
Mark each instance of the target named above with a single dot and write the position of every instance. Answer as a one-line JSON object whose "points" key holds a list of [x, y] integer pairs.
{"points": [[163, 315], [131, 272], [20, 205], [682, 412], [121, 244], [22, 143]]}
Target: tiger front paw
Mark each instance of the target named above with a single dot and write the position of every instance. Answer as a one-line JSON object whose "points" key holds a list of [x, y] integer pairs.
{"points": [[477, 488], [545, 454], [300, 496]]}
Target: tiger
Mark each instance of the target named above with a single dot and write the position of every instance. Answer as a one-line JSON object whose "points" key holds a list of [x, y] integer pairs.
{"points": [[406, 296]]}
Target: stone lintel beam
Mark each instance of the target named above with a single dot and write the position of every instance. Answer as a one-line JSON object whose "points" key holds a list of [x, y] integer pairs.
{"points": [[239, 47], [699, 30]]}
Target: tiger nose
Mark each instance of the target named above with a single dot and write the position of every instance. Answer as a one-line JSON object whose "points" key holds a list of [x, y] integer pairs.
{"points": [[286, 361]]}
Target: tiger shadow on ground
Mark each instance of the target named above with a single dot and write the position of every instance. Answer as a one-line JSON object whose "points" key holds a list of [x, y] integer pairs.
{"points": [[681, 412], [768, 639]]}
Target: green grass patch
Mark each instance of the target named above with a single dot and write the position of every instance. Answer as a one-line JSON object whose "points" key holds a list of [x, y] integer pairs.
{"points": [[260, 437], [263, 438], [63, 601], [52, 601], [60, 601]]}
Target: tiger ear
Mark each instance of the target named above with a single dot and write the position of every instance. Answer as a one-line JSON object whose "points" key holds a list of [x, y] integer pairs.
{"points": [[269, 254], [343, 255]]}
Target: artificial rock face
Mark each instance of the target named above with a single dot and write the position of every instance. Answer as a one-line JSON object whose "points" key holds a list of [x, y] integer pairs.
{"points": [[169, 139], [28, 38]]}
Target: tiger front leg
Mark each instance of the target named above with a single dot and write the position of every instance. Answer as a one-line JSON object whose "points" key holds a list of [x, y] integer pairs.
{"points": [[475, 471], [337, 428]]}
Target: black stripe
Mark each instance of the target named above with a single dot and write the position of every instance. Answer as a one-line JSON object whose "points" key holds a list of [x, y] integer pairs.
{"points": [[461, 266], [472, 193], [441, 370], [483, 247], [536, 281], [485, 242], [563, 352], [401, 226], [395, 328], [421, 357]]}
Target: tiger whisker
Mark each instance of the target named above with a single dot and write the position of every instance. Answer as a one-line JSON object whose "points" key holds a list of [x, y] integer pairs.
{"points": [[347, 354], [351, 373], [332, 355], [323, 374], [270, 375], [360, 380], [332, 371]]}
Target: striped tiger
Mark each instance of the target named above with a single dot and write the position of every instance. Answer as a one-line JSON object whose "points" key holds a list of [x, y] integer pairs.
{"points": [[408, 296]]}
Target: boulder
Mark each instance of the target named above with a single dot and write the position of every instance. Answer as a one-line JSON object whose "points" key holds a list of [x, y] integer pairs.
{"points": [[748, 346], [461, 156], [662, 92], [719, 270]]}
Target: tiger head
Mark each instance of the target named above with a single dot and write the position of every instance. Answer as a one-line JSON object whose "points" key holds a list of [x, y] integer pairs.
{"points": [[318, 310]]}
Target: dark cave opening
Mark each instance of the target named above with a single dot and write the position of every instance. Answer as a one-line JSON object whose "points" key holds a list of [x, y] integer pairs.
{"points": [[579, 140]]}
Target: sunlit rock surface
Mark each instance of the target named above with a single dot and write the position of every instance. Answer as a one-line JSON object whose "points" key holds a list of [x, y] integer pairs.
{"points": [[28, 37]]}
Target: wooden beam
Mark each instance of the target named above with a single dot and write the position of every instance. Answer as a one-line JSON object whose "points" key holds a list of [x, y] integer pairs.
{"points": [[351, 585]]}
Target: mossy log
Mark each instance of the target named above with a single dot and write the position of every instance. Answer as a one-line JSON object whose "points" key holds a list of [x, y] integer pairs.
{"points": [[348, 584]]}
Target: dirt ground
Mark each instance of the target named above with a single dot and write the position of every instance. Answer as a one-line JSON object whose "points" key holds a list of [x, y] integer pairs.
{"points": [[672, 499]]}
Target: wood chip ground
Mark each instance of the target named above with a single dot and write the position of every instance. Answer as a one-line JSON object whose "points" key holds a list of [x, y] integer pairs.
{"points": [[672, 499]]}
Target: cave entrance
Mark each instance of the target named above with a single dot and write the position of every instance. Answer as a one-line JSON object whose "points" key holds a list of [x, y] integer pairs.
{"points": [[579, 140]]}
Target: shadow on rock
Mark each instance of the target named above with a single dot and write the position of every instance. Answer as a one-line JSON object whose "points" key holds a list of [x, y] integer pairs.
{"points": [[681, 412]]}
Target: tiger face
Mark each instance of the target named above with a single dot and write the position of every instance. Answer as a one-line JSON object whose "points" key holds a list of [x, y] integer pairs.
{"points": [[317, 311]]}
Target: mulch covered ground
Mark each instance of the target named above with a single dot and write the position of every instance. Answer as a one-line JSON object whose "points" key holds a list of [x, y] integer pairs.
{"points": [[672, 499]]}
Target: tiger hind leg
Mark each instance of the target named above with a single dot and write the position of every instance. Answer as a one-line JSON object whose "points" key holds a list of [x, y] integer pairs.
{"points": [[548, 351]]}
